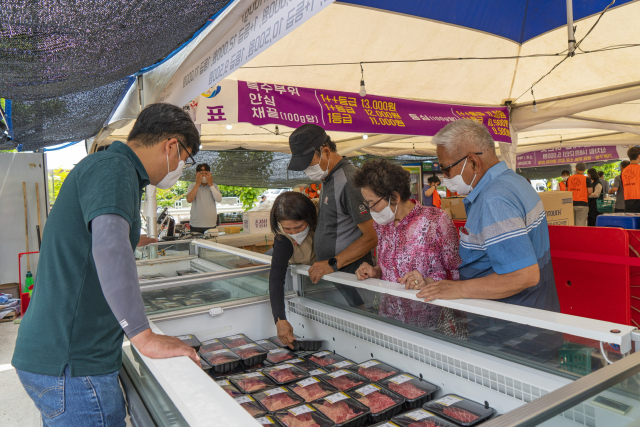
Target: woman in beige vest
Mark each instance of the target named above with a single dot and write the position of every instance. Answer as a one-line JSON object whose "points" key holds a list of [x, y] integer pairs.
{"points": [[293, 221]]}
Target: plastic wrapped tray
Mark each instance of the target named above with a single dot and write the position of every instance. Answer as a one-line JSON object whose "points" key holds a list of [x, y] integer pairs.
{"points": [[190, 340], [420, 418], [325, 358], [229, 388], [251, 405], [307, 365], [268, 420], [211, 345], [385, 424], [375, 370], [268, 345], [344, 380], [343, 410], [222, 361], [279, 355], [318, 371], [235, 340], [414, 390], [285, 373], [303, 416], [205, 366], [213, 295], [224, 375], [305, 344], [343, 364], [252, 382], [384, 404], [459, 410], [252, 354], [312, 388], [278, 398]]}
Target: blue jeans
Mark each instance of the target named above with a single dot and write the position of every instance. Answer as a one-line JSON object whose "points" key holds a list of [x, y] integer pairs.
{"points": [[76, 401]]}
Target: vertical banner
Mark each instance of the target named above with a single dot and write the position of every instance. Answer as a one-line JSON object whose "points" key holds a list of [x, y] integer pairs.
{"points": [[262, 24]]}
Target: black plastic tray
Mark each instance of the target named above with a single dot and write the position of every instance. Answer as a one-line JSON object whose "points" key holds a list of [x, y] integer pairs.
{"points": [[251, 405], [252, 360], [343, 364], [238, 381], [236, 340], [331, 378], [305, 364], [405, 420], [385, 423], [278, 342], [305, 344], [318, 371], [299, 386], [444, 404], [368, 369], [411, 403], [356, 421], [211, 345], [315, 415], [264, 397], [229, 388], [221, 367], [190, 340], [324, 358], [274, 356], [267, 344], [205, 366], [386, 414], [268, 420], [300, 373]]}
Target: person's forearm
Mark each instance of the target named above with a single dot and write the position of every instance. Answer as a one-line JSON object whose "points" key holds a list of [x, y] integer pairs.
{"points": [[359, 248], [192, 194], [497, 286], [215, 191], [613, 190]]}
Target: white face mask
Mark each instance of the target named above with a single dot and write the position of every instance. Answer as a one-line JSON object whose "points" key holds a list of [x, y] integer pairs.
{"points": [[315, 172], [172, 177], [299, 237], [385, 216], [204, 179], [457, 184]]}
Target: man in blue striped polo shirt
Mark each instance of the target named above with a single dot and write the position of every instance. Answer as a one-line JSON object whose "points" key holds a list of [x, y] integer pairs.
{"points": [[505, 244]]}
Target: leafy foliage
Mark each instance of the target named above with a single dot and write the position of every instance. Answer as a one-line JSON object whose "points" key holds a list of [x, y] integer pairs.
{"points": [[55, 183], [171, 195]]}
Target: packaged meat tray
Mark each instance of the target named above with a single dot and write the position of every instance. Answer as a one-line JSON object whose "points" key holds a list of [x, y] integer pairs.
{"points": [[222, 361], [420, 418], [224, 375], [186, 272], [414, 390], [460, 410], [229, 388], [343, 410], [312, 388], [235, 340], [304, 344], [344, 364], [279, 355], [254, 368], [318, 371], [251, 405], [277, 341], [344, 380], [325, 358], [285, 373], [307, 365], [276, 399], [252, 382], [268, 345], [205, 366], [303, 416], [375, 370], [268, 421], [384, 404], [251, 354], [385, 424], [211, 345], [190, 340]]}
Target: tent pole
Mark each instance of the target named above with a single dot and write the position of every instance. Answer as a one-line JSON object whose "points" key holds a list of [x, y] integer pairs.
{"points": [[572, 38], [151, 204]]}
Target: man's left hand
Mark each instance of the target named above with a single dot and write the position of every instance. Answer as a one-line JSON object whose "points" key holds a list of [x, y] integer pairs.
{"points": [[144, 240], [318, 270], [444, 289], [209, 179]]}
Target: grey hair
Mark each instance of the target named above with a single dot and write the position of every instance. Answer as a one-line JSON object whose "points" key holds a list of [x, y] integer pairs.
{"points": [[465, 134], [581, 166]]}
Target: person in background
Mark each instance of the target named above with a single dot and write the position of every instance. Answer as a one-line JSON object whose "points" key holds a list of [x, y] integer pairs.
{"points": [[582, 187], [596, 193], [430, 196], [618, 188], [416, 244], [563, 184], [605, 184], [631, 182], [203, 196], [263, 199], [504, 245], [293, 221], [344, 236]]}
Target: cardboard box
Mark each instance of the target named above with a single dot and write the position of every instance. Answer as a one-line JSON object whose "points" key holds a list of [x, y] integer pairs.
{"points": [[10, 288], [454, 205], [559, 207], [256, 222]]}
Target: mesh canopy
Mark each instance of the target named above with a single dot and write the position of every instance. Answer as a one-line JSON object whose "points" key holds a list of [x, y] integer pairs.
{"points": [[264, 169]]}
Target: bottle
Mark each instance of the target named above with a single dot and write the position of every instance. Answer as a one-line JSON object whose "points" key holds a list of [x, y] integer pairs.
{"points": [[28, 282]]}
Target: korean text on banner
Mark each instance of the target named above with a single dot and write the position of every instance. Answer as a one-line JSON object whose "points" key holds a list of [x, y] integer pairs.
{"points": [[262, 24], [564, 156]]}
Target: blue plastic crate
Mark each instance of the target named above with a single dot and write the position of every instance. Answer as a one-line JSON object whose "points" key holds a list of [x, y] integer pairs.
{"points": [[619, 220]]}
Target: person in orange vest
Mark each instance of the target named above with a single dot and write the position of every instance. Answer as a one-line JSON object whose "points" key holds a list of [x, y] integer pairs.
{"points": [[565, 176], [631, 182], [581, 186], [430, 196]]}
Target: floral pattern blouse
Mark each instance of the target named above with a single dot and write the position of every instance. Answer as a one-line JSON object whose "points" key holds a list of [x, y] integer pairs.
{"points": [[425, 240]]}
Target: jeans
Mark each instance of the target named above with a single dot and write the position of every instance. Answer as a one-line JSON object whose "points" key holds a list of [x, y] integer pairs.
{"points": [[76, 401]]}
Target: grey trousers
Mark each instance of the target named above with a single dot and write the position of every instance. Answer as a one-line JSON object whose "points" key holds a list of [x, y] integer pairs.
{"points": [[580, 214]]}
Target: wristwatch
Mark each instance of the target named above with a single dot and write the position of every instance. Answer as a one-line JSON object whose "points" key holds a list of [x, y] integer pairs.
{"points": [[333, 263]]}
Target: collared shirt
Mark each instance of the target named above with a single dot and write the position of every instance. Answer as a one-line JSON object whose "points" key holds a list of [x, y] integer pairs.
{"points": [[203, 208], [69, 321], [506, 231]]}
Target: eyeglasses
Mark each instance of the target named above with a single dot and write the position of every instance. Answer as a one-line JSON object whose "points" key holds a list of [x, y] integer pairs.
{"points": [[190, 161], [446, 170], [371, 206]]}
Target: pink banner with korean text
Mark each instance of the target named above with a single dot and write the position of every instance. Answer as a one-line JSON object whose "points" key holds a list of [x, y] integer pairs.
{"points": [[565, 156], [292, 106]]}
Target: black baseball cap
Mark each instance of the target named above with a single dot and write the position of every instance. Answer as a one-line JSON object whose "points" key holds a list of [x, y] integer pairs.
{"points": [[303, 143]]}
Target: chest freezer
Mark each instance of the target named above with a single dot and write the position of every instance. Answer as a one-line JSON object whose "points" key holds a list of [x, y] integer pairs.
{"points": [[532, 366]]}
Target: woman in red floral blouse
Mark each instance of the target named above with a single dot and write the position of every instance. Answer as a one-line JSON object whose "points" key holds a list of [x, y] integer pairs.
{"points": [[416, 244]]}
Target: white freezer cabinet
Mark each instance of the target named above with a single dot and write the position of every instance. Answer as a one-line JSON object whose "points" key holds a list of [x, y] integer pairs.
{"points": [[533, 367]]}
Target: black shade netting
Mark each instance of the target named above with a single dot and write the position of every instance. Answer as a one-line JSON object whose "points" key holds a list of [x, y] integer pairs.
{"points": [[548, 172]]}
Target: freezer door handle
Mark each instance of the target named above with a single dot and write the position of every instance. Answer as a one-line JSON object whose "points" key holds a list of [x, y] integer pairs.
{"points": [[216, 311]]}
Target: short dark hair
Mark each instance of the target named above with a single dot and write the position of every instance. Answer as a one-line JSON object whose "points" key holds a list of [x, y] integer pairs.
{"points": [[159, 122], [593, 174], [293, 206], [384, 178], [329, 144], [201, 166], [624, 164], [633, 153], [433, 179], [600, 174], [565, 172]]}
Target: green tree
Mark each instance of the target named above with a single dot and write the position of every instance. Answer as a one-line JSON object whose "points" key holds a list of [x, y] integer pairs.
{"points": [[171, 195], [248, 195], [55, 183], [610, 171]]}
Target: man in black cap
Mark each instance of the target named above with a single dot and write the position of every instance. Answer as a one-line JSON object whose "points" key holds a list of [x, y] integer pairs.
{"points": [[344, 235]]}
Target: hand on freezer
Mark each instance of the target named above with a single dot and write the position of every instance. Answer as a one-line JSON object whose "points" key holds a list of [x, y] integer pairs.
{"points": [[144, 240], [285, 332], [414, 280], [318, 270], [162, 346], [444, 289], [365, 271]]}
